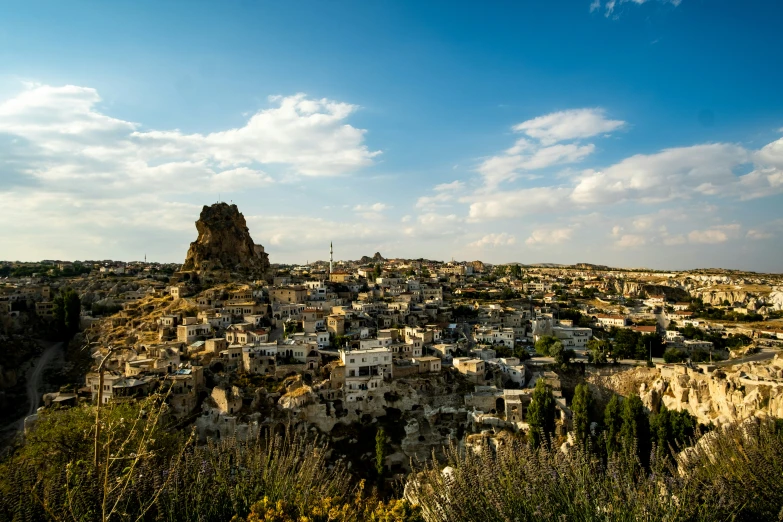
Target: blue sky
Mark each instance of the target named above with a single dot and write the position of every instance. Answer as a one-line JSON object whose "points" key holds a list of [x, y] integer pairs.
{"points": [[631, 133]]}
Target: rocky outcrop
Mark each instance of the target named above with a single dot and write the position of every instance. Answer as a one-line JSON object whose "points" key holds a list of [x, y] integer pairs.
{"points": [[625, 287], [377, 258], [720, 397], [224, 243]]}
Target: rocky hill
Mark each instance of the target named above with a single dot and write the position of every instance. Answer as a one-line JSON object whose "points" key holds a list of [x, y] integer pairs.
{"points": [[224, 243], [377, 258]]}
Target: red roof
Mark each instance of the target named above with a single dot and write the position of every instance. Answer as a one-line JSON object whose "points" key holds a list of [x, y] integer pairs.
{"points": [[644, 329]]}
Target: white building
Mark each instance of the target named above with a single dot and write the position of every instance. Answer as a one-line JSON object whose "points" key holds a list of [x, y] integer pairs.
{"points": [[365, 371], [504, 336], [573, 337], [612, 320]]}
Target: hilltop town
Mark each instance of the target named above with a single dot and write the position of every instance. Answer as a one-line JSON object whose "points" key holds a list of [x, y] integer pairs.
{"points": [[434, 352]]}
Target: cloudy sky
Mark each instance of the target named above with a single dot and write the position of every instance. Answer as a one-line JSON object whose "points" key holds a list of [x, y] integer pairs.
{"points": [[622, 132]]}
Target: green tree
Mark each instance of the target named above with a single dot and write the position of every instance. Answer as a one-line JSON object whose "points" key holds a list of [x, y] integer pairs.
{"points": [[500, 271], [380, 452], [544, 344], [561, 355], [515, 271], [599, 349], [671, 430], [67, 309], [635, 431], [625, 343], [673, 355], [613, 423], [541, 413], [580, 410]]}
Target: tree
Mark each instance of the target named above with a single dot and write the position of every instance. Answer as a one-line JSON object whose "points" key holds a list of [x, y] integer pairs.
{"points": [[625, 343], [580, 409], [509, 293], [541, 413], [671, 429], [600, 350], [544, 344], [561, 355], [649, 344], [612, 424], [673, 355], [515, 271], [500, 271], [67, 310], [635, 431], [380, 452]]}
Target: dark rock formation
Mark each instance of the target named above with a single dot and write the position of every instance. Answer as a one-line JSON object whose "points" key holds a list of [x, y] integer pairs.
{"points": [[224, 243], [377, 258]]}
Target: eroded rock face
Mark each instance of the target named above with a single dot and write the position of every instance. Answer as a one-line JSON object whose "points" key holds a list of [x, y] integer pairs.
{"points": [[721, 396], [224, 243]]}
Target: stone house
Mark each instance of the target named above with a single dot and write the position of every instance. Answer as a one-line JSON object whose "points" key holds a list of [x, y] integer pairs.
{"points": [[227, 399], [470, 367], [428, 364]]}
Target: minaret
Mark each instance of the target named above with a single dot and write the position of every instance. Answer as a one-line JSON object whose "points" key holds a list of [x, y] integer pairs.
{"points": [[331, 258]]}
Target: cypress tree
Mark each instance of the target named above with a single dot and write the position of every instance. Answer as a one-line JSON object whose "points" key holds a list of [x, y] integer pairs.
{"points": [[636, 429], [541, 413], [612, 424], [580, 410]]}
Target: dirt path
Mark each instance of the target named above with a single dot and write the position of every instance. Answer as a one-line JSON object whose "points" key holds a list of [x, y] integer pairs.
{"points": [[34, 379]]}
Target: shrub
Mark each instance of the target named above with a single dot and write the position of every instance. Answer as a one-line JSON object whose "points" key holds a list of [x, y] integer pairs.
{"points": [[735, 476]]}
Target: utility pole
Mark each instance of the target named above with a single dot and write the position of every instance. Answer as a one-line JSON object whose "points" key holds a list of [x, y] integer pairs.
{"points": [[98, 406]]}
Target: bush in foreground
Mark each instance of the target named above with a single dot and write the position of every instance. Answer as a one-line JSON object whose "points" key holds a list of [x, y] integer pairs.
{"points": [[735, 474]]}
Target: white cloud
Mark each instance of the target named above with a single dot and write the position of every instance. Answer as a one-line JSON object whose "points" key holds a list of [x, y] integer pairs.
{"points": [[374, 211], [454, 186], [630, 241], [609, 5], [549, 236], [716, 234], [375, 207], [643, 222], [568, 125], [616, 230], [444, 193], [672, 173], [760, 183], [546, 151], [678, 239], [72, 171], [498, 169], [433, 225], [432, 219], [309, 135], [68, 143], [494, 240], [759, 234], [514, 203], [238, 179]]}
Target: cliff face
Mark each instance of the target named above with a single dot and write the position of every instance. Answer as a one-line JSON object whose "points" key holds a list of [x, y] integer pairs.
{"points": [[224, 243], [723, 396], [621, 286]]}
